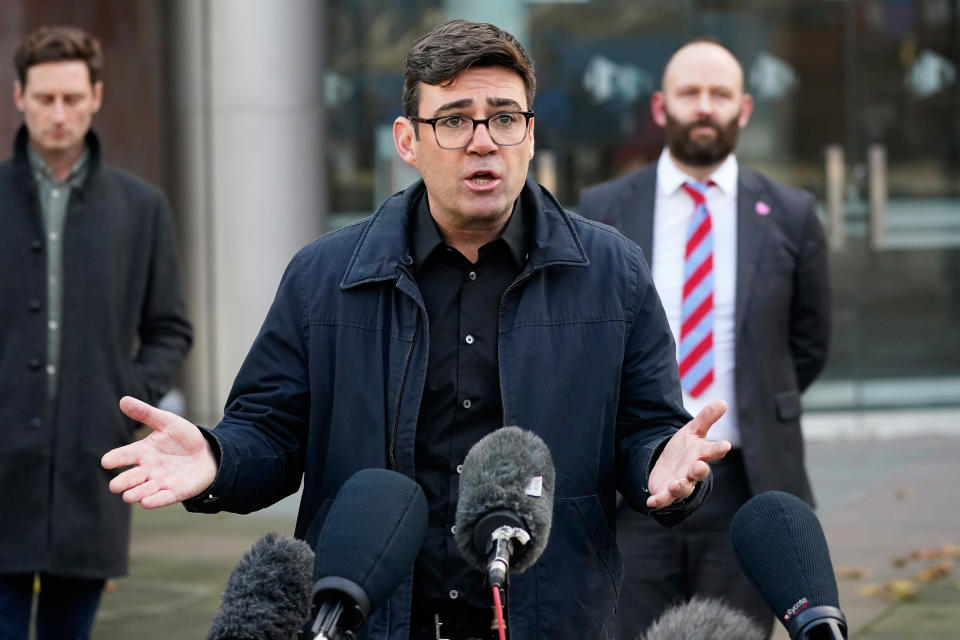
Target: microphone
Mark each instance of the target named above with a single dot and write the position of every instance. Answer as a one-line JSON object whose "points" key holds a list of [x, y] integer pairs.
{"points": [[703, 619], [366, 547], [780, 546], [505, 507], [267, 596]]}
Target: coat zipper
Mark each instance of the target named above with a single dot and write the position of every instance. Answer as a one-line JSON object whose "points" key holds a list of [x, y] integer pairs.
{"points": [[403, 383], [513, 285]]}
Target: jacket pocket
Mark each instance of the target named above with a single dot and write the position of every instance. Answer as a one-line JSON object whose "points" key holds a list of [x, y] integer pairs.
{"points": [[788, 405], [580, 573]]}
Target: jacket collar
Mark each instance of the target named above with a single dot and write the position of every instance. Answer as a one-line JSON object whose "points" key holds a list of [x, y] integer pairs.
{"points": [[22, 161], [384, 245]]}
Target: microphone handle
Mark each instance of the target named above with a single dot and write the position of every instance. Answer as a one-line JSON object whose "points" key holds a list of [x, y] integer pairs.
{"points": [[819, 623]]}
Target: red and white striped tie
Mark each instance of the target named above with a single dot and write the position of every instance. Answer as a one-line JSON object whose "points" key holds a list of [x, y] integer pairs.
{"points": [[695, 353]]}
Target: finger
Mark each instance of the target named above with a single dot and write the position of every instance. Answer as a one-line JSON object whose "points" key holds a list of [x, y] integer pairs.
{"points": [[707, 417], [149, 415], [128, 479], [715, 450], [161, 498], [143, 490], [699, 471], [121, 456]]}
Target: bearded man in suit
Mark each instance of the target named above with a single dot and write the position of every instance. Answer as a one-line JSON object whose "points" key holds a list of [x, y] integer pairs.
{"points": [[740, 263]]}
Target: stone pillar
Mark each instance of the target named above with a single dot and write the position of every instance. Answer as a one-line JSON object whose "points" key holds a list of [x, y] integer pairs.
{"points": [[247, 127]]}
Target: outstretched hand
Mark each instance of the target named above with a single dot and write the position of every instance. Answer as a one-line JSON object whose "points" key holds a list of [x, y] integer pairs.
{"points": [[683, 461], [173, 463]]}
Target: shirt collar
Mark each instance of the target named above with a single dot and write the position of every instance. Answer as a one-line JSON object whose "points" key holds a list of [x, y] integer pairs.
{"points": [[42, 171], [670, 178], [426, 235]]}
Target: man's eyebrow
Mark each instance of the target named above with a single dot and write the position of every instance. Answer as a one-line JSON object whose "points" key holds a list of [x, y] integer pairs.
{"points": [[466, 102], [503, 102], [456, 104]]}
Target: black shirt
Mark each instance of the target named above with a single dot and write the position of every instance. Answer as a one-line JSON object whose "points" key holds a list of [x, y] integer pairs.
{"points": [[461, 398]]}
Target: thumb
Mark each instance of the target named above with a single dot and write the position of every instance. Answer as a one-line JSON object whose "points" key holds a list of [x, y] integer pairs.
{"points": [[156, 419]]}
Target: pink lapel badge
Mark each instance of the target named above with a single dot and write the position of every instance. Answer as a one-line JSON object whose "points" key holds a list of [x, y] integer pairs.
{"points": [[762, 208]]}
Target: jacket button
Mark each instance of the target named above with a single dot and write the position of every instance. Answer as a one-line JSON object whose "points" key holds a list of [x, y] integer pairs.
{"points": [[36, 423], [34, 363], [35, 305], [36, 245]]}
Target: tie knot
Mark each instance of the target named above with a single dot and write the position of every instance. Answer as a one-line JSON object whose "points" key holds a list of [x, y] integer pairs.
{"points": [[697, 190]]}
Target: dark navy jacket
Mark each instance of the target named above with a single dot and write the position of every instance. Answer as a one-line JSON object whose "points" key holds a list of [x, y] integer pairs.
{"points": [[334, 380]]}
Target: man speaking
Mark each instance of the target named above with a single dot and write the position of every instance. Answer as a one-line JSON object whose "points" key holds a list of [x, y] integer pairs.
{"points": [[469, 301]]}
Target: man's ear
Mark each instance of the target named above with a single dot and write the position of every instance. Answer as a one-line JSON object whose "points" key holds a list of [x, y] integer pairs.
{"points": [[746, 109], [658, 108], [405, 139], [97, 96], [18, 95]]}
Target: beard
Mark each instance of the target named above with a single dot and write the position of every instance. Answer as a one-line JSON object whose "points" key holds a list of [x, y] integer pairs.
{"points": [[695, 153]]}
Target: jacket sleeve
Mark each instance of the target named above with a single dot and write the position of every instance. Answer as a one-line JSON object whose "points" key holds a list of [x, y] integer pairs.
{"points": [[165, 332], [810, 310], [262, 437], [651, 403]]}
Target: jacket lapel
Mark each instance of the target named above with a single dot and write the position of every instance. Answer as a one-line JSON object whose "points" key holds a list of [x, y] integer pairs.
{"points": [[636, 219], [752, 230]]}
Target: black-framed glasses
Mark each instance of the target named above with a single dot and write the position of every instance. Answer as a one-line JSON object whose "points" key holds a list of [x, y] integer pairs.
{"points": [[506, 128]]}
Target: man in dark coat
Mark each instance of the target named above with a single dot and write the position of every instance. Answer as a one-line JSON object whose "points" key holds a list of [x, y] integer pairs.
{"points": [[91, 310], [469, 301], [740, 263]]}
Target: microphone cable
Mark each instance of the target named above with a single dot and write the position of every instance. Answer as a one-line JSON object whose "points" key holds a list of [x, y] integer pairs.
{"points": [[498, 610]]}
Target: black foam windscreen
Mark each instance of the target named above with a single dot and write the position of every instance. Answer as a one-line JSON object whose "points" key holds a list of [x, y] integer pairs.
{"points": [[703, 619], [373, 532], [780, 546], [267, 596], [510, 469]]}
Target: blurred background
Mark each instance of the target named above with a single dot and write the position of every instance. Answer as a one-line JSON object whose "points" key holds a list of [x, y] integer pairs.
{"points": [[268, 122]]}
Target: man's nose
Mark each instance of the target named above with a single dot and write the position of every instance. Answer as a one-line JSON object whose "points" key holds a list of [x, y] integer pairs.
{"points": [[59, 111], [482, 142]]}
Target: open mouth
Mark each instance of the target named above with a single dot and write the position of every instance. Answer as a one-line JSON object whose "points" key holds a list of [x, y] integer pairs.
{"points": [[481, 178]]}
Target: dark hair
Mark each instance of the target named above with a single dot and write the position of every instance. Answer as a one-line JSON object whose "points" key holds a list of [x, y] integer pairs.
{"points": [[58, 44], [453, 47]]}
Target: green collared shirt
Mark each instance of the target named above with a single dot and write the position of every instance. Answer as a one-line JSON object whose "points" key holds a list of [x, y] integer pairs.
{"points": [[54, 201]]}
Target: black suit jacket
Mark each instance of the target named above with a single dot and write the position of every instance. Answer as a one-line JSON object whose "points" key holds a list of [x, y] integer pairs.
{"points": [[782, 310]]}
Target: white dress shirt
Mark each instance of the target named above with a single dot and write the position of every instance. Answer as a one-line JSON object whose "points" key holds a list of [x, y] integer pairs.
{"points": [[672, 214]]}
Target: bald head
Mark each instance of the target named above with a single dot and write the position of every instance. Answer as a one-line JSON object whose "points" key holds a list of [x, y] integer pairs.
{"points": [[703, 60]]}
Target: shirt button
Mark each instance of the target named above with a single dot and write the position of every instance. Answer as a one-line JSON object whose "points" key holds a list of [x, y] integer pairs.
{"points": [[467, 403], [468, 339], [51, 369], [472, 275], [55, 193], [454, 594], [453, 529], [459, 468], [53, 236], [52, 325]]}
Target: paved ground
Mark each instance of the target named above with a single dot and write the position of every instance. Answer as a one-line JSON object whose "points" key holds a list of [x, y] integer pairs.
{"points": [[889, 509]]}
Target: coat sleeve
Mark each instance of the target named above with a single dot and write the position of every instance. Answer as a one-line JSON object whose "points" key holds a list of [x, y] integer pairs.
{"points": [[651, 403], [811, 306], [165, 332], [262, 437]]}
